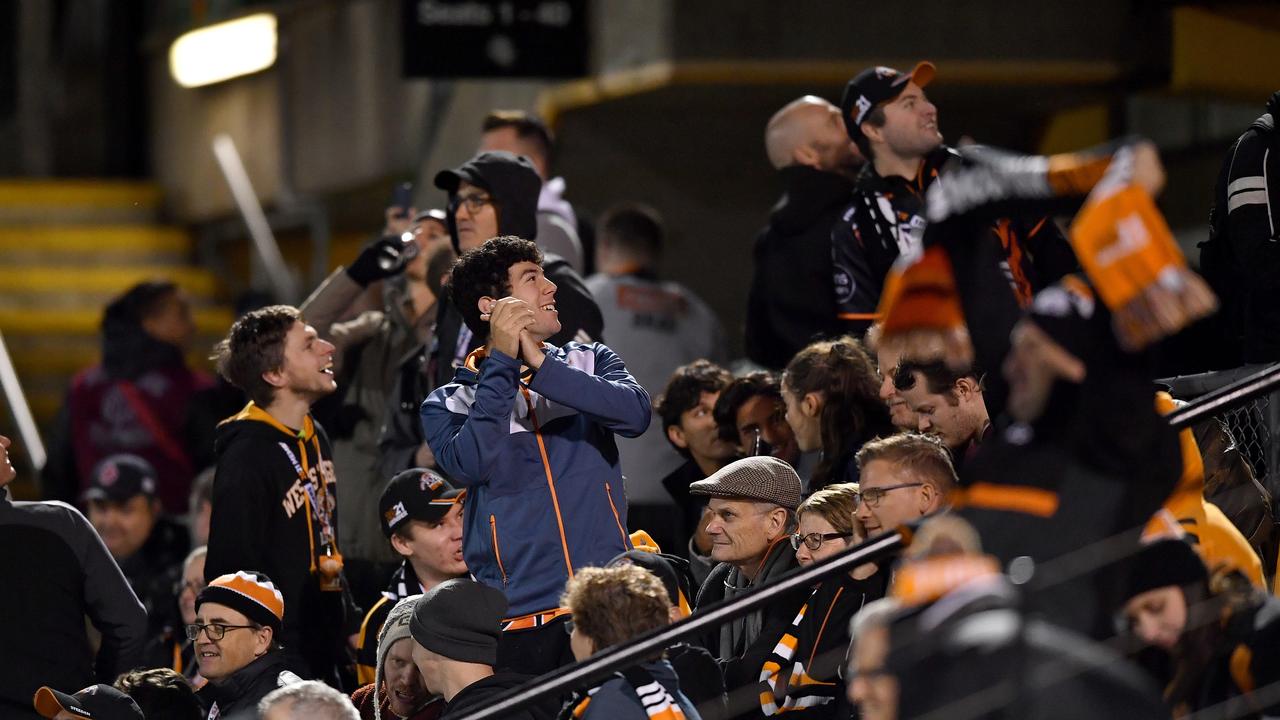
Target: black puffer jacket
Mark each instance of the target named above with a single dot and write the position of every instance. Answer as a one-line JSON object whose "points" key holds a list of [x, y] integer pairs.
{"points": [[237, 695]]}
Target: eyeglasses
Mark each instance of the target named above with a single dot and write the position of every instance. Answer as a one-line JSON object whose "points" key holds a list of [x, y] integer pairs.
{"points": [[474, 203], [568, 627], [873, 496], [215, 631], [813, 541], [188, 586]]}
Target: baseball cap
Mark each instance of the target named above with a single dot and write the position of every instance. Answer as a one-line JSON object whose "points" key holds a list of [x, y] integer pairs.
{"points": [[874, 86], [759, 477], [96, 702], [120, 477], [416, 494]]}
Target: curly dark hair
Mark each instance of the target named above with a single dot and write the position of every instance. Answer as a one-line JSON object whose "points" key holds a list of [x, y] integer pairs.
{"points": [[482, 271], [161, 693], [255, 345], [852, 411], [738, 392], [684, 390]]}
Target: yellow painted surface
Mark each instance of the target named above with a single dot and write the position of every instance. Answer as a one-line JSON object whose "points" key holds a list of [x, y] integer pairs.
{"points": [[211, 321], [91, 193], [1076, 129], [93, 238], [1220, 56], [44, 279]]}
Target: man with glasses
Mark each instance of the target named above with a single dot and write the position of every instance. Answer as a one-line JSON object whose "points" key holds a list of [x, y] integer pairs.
{"points": [[903, 478], [237, 619], [752, 515]]}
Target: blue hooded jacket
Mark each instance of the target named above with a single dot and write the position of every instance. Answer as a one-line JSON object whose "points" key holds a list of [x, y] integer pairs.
{"points": [[537, 456]]}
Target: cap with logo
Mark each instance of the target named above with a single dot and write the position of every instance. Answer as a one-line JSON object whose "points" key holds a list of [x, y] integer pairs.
{"points": [[876, 85], [416, 494], [121, 477], [96, 702]]}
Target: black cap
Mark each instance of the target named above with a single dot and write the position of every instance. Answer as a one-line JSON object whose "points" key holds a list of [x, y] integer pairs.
{"points": [[430, 214], [96, 702], [875, 85], [416, 494], [1164, 562], [121, 477]]}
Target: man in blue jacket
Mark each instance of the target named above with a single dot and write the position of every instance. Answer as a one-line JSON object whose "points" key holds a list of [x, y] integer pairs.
{"points": [[528, 429]]}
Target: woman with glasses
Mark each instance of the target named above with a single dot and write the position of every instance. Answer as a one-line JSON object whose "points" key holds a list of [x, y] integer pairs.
{"points": [[832, 396], [802, 673]]}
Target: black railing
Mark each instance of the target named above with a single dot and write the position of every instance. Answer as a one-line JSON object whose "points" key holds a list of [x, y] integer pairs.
{"points": [[583, 674]]}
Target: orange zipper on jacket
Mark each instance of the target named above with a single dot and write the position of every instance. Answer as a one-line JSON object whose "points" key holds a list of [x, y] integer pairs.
{"points": [[497, 554], [608, 492], [551, 483]]}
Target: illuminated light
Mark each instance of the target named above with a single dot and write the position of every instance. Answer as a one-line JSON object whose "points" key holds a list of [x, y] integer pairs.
{"points": [[223, 51]]}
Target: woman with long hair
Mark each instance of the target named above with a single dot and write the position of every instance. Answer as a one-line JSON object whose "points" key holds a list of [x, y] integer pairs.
{"points": [[1209, 637], [832, 394]]}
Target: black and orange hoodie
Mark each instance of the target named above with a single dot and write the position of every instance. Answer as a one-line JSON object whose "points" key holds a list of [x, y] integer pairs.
{"points": [[274, 511]]}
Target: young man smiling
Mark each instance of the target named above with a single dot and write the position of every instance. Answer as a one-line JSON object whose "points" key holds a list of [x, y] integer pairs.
{"points": [[274, 500], [528, 429]]}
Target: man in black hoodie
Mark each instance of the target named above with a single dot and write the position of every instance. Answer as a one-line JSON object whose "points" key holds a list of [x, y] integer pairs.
{"points": [[817, 162], [492, 194], [274, 503]]}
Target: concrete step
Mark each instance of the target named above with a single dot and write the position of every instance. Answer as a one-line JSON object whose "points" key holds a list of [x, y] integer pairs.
{"points": [[81, 321], [80, 245], [24, 201], [49, 286]]}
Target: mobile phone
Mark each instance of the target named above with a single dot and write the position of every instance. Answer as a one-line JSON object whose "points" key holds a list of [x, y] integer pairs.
{"points": [[402, 197]]}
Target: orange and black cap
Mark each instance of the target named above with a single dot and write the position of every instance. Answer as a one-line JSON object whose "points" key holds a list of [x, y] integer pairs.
{"points": [[874, 86]]}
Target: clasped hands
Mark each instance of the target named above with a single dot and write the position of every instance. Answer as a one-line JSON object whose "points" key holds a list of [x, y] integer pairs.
{"points": [[509, 322]]}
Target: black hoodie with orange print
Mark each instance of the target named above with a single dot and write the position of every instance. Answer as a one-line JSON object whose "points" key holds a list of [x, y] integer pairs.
{"points": [[274, 511]]}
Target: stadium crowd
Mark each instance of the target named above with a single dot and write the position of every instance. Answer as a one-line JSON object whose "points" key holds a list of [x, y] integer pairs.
{"points": [[467, 460]]}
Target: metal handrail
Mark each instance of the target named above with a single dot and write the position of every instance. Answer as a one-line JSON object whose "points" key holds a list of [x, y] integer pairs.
{"points": [[652, 643], [615, 658], [264, 241], [22, 416]]}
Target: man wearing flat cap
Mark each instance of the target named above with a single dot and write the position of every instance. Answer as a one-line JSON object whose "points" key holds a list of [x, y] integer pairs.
{"points": [[752, 511], [455, 629]]}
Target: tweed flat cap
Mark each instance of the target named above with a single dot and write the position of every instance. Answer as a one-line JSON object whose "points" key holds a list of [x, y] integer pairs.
{"points": [[759, 477]]}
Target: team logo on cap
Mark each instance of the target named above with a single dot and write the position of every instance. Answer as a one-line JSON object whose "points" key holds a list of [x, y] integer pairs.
{"points": [[426, 482], [395, 514], [863, 106], [886, 72], [109, 475]]}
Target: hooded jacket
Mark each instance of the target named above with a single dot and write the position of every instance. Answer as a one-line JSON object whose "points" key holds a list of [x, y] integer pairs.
{"points": [[481, 693], [788, 310], [641, 692], [538, 458], [265, 494]]}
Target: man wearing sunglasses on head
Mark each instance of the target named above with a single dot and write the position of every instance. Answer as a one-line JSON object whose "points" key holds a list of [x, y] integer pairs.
{"points": [[903, 478], [238, 617]]}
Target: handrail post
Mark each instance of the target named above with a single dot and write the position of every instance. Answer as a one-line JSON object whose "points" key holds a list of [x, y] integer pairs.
{"points": [[22, 416]]}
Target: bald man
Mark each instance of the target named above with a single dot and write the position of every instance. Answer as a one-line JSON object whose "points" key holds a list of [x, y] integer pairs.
{"points": [[792, 295]]}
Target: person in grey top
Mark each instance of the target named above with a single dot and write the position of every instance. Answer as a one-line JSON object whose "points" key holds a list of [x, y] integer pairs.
{"points": [[56, 572]]}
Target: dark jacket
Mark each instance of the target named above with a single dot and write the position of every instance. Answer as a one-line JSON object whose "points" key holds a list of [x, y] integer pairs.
{"points": [[57, 571], [742, 644], [236, 696], [538, 458], [786, 310], [1242, 257], [618, 698], [136, 401], [482, 692], [265, 518]]}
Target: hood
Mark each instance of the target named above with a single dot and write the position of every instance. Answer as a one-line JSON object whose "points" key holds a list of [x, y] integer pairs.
{"points": [[808, 195], [510, 179], [128, 351], [253, 421], [551, 200]]}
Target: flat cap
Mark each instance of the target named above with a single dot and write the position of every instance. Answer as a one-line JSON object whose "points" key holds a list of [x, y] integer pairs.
{"points": [[760, 477]]}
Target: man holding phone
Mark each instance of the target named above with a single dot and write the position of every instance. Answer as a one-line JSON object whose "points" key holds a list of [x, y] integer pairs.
{"points": [[528, 428]]}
